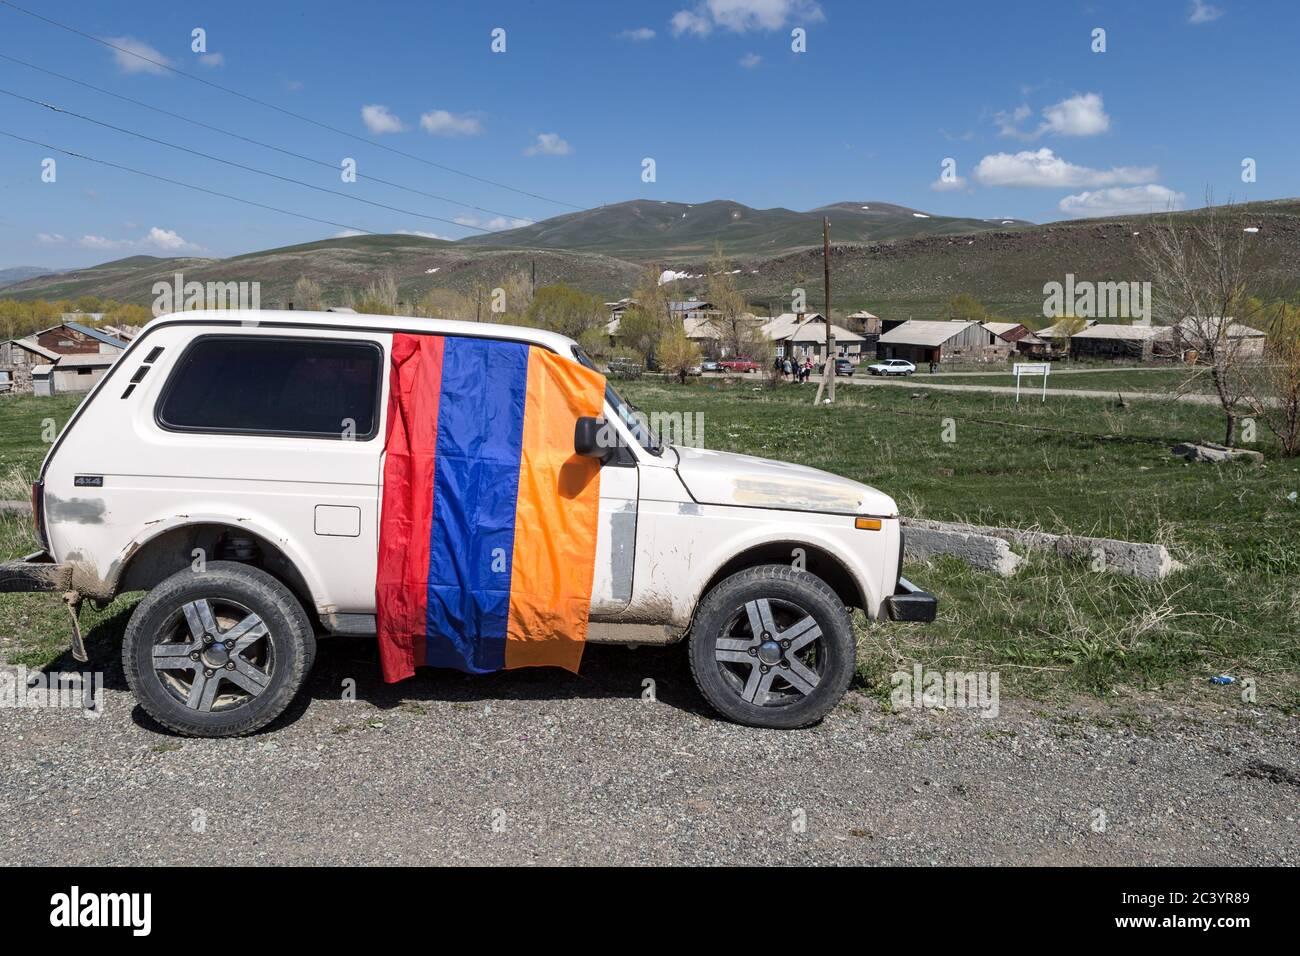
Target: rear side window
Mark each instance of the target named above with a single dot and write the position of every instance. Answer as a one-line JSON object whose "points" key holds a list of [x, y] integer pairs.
{"points": [[264, 385]]}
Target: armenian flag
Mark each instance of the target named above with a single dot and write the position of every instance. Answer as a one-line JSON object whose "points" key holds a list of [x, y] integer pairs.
{"points": [[487, 534]]}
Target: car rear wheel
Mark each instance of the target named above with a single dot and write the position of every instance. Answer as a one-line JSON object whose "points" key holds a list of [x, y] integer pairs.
{"points": [[218, 652], [772, 647]]}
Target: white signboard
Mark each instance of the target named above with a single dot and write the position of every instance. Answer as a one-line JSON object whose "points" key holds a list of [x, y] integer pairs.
{"points": [[1032, 368]]}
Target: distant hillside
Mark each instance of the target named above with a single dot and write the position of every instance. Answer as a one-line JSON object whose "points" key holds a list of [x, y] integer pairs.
{"points": [[646, 229], [20, 273], [1007, 270], [1004, 264], [340, 265]]}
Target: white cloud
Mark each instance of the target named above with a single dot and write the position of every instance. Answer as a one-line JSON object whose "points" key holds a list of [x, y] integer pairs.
{"points": [[1122, 201], [952, 185], [549, 144], [1009, 123], [347, 234], [496, 222], [741, 16], [444, 123], [213, 59], [50, 238], [750, 60], [684, 21], [1202, 12], [166, 239], [417, 232], [129, 63], [1083, 114], [1043, 168], [637, 35], [379, 120], [162, 240]]}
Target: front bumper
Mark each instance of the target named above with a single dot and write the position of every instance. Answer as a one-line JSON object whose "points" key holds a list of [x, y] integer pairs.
{"points": [[910, 603], [36, 572]]}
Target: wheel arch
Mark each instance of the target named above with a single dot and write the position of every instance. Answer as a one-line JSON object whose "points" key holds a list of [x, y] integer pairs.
{"points": [[818, 561], [172, 549]]}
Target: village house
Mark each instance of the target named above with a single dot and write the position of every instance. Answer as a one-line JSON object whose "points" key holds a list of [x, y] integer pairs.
{"points": [[864, 322], [802, 335], [73, 338], [1020, 336], [1104, 341], [69, 357], [78, 373], [1244, 340], [923, 341], [697, 309]]}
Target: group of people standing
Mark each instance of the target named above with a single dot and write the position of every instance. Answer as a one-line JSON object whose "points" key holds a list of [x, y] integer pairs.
{"points": [[792, 370]]}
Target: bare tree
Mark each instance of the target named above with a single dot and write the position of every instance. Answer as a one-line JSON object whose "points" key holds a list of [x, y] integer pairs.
{"points": [[730, 323], [380, 297], [307, 294], [1273, 384], [1202, 274]]}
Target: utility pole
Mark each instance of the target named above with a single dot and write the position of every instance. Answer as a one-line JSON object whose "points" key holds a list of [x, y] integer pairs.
{"points": [[828, 370]]}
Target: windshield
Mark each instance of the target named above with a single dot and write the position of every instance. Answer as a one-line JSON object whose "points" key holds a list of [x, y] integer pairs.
{"points": [[629, 414]]}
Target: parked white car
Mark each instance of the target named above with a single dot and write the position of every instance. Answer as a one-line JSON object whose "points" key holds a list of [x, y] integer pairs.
{"points": [[205, 470], [892, 367]]}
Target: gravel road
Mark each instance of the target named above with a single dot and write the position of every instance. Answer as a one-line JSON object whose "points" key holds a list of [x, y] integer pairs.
{"points": [[543, 767]]}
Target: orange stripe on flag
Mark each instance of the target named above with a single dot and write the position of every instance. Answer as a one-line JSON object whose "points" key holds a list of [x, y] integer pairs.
{"points": [[556, 515]]}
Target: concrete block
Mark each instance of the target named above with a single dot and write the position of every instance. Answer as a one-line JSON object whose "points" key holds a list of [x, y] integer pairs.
{"points": [[979, 550]]}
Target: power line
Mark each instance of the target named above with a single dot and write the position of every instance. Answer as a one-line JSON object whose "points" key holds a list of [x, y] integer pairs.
{"points": [[232, 163], [177, 182], [280, 109], [255, 142]]}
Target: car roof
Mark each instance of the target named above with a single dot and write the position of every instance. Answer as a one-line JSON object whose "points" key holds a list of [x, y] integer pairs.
{"points": [[361, 322]]}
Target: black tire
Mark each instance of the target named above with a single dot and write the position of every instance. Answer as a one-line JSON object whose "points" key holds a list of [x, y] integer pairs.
{"points": [[257, 681], [791, 596]]}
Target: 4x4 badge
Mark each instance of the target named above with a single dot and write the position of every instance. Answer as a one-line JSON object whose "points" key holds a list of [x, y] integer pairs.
{"points": [[88, 481]]}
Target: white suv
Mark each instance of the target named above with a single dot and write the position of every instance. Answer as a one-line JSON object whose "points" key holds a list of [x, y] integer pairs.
{"points": [[231, 465]]}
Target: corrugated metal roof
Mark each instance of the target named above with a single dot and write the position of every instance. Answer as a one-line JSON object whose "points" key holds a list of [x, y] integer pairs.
{"points": [[1236, 330], [35, 347], [1051, 333], [1126, 333], [86, 360], [787, 328], [96, 334], [924, 332], [1001, 328]]}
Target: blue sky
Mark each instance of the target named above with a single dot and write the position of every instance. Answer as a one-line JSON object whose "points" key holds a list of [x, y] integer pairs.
{"points": [[1038, 125]]}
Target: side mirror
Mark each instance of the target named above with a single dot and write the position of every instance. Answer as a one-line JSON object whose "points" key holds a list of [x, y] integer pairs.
{"points": [[589, 438]]}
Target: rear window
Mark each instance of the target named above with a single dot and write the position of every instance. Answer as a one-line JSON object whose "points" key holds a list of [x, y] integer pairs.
{"points": [[263, 385]]}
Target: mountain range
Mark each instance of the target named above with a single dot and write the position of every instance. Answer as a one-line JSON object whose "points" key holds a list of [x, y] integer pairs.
{"points": [[891, 259]]}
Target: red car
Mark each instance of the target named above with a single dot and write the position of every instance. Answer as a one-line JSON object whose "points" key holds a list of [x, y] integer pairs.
{"points": [[738, 365]]}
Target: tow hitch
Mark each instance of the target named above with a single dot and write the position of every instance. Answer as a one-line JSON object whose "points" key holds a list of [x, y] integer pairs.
{"points": [[38, 573]]}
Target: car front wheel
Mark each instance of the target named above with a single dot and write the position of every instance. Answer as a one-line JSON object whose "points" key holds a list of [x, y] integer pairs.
{"points": [[218, 652], [772, 647]]}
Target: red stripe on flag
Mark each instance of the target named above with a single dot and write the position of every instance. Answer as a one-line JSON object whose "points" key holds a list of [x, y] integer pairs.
{"points": [[401, 586]]}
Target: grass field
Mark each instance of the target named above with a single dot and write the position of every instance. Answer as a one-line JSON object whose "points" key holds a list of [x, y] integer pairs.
{"points": [[1055, 626], [1162, 380], [1079, 465]]}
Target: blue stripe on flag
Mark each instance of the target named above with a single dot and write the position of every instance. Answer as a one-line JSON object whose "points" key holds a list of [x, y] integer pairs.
{"points": [[476, 481]]}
